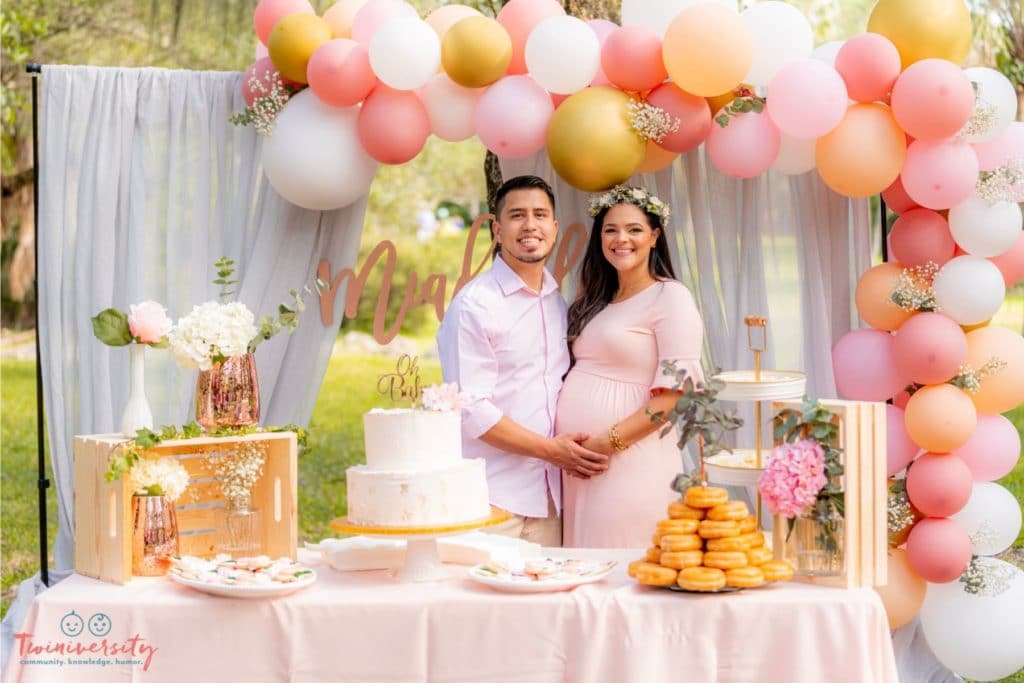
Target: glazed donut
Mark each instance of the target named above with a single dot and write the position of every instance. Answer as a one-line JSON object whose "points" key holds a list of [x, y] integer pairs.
{"points": [[633, 567], [729, 543], [734, 509], [748, 524], [682, 559], [718, 529], [675, 543], [656, 538], [758, 556], [744, 577], [678, 526], [653, 555], [703, 579], [655, 575], [722, 559], [680, 510], [754, 539], [705, 496], [777, 571]]}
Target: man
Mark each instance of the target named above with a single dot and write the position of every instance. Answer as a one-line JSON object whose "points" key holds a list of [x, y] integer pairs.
{"points": [[503, 340]]}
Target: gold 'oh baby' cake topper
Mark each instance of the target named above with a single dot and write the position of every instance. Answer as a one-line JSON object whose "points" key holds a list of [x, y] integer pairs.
{"points": [[404, 383]]}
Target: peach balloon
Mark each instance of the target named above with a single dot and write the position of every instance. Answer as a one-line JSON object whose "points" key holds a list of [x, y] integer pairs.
{"points": [[869, 64], [939, 485], [631, 58], [940, 418], [938, 550], [874, 297], [446, 16], [939, 174], [897, 199], [930, 347], [693, 113], [932, 99], [903, 594], [656, 159], [339, 17], [1003, 390], [294, 40], [1011, 263], [864, 154], [708, 49], [919, 236], [519, 17], [269, 12]]}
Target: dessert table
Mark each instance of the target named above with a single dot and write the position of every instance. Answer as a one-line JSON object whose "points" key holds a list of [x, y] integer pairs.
{"points": [[363, 626]]}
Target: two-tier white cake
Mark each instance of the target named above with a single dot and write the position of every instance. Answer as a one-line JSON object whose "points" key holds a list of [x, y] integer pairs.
{"points": [[414, 474]]}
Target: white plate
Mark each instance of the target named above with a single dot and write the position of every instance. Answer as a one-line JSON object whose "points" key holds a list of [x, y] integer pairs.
{"points": [[774, 385], [736, 468], [539, 586], [247, 590]]}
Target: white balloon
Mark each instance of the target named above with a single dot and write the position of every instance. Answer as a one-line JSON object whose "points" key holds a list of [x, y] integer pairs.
{"points": [[563, 54], [795, 156], [782, 35], [969, 289], [827, 52], [405, 53], [983, 229], [314, 159], [980, 637], [450, 107], [658, 14], [992, 518], [996, 93]]}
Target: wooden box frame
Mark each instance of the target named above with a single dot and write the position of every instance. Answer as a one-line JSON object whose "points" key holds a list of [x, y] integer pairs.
{"points": [[103, 523]]}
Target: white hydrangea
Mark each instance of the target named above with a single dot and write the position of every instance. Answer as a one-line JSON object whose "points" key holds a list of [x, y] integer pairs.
{"points": [[212, 329], [165, 476]]}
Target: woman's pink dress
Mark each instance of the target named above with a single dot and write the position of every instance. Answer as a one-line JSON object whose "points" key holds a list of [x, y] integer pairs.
{"points": [[618, 364]]}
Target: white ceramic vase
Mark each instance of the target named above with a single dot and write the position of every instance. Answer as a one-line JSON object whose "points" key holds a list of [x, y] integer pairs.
{"points": [[137, 414]]}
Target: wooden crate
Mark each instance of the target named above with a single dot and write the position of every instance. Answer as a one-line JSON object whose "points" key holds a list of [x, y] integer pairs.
{"points": [[103, 523], [862, 438]]}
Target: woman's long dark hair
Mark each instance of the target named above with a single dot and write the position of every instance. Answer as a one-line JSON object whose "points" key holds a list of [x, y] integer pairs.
{"points": [[599, 280]]}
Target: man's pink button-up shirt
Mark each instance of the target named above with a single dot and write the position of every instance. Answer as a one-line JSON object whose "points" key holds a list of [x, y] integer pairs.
{"points": [[505, 346]]}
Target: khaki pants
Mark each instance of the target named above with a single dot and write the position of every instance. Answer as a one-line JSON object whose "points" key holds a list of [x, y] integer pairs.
{"points": [[547, 531]]}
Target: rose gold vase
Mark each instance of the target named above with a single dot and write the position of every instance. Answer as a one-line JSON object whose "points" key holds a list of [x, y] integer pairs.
{"points": [[228, 394], [154, 535]]}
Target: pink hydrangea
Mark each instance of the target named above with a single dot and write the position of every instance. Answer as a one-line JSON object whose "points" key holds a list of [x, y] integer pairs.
{"points": [[793, 477]]}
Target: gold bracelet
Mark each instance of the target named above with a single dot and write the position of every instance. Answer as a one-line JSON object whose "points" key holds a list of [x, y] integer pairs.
{"points": [[615, 439]]}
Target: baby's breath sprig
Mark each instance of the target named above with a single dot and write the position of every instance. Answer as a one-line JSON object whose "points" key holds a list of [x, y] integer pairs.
{"points": [[238, 469], [913, 290], [1004, 184], [969, 379], [900, 516], [986, 577], [985, 115], [650, 122], [271, 96]]}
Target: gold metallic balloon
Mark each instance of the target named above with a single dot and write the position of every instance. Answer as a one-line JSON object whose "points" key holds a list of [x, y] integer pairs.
{"points": [[924, 28], [293, 41], [476, 51], [591, 143]]}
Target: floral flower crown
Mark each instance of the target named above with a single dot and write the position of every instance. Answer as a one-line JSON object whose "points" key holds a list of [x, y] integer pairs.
{"points": [[637, 196]]}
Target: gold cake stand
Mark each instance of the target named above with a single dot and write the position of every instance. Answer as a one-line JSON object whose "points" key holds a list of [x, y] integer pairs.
{"points": [[422, 561]]}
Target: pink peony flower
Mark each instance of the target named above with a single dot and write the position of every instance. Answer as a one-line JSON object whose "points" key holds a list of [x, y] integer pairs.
{"points": [[148, 322], [793, 477]]}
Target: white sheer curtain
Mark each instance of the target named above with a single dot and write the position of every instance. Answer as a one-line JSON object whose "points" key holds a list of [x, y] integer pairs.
{"points": [[143, 185]]}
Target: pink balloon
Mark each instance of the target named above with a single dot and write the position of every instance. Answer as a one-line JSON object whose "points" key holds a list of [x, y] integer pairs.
{"points": [[901, 400], [339, 73], [999, 150], [897, 199], [631, 57], [807, 99], [932, 99], [374, 13], [869, 64], [519, 17], [393, 125], [557, 99], [900, 448], [993, 450], [1011, 263], [602, 28], [920, 236], [939, 174], [693, 113], [512, 117], [929, 348], [269, 12], [865, 366], [747, 147], [939, 485], [939, 550], [261, 51], [261, 71]]}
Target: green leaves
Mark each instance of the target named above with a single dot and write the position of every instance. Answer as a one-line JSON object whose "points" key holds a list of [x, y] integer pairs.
{"points": [[698, 412], [225, 269], [111, 327], [745, 104]]}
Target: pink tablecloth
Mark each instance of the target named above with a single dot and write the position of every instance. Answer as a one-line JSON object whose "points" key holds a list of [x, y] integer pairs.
{"points": [[365, 627]]}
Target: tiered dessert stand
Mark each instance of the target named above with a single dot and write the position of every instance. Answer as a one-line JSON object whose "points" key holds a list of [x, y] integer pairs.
{"points": [[422, 560], [743, 466]]}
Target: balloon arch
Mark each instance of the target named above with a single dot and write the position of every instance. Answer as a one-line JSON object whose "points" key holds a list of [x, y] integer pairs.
{"points": [[888, 111]]}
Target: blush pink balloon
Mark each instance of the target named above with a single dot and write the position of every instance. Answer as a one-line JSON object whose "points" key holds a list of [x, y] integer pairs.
{"points": [[261, 70], [897, 199], [993, 449], [393, 125], [869, 64], [374, 13], [339, 73], [602, 28], [939, 174], [920, 236], [929, 348], [631, 58], [1011, 263], [939, 485], [807, 99], [900, 448], [519, 17], [1001, 149], [269, 12], [512, 117], [693, 113], [865, 366], [932, 99], [939, 550], [747, 147], [901, 400]]}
